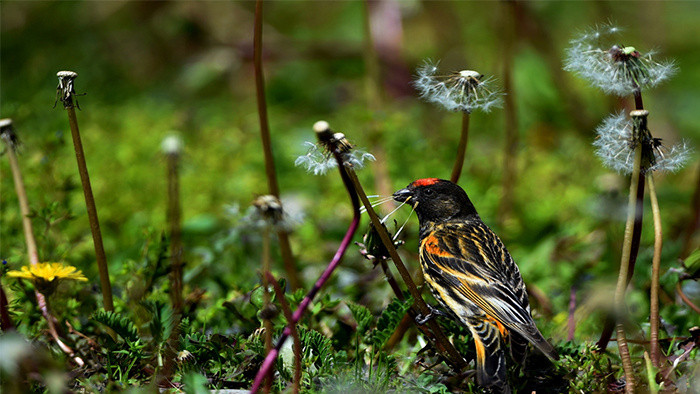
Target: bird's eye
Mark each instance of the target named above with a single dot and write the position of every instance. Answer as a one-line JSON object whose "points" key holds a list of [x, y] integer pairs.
{"points": [[428, 192]]}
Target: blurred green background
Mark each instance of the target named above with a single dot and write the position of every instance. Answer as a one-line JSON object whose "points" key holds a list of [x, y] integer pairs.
{"points": [[151, 68]]}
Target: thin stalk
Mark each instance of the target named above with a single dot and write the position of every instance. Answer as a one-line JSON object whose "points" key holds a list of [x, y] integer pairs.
{"points": [[685, 298], [266, 299], [273, 186], [609, 324], [292, 327], [373, 91], [572, 311], [461, 149], [267, 364], [510, 149], [655, 268], [651, 374], [33, 254], [174, 223], [5, 320], [100, 256], [622, 277], [443, 345]]}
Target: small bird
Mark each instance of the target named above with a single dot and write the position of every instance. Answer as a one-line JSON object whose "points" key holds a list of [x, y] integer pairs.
{"points": [[473, 276]]}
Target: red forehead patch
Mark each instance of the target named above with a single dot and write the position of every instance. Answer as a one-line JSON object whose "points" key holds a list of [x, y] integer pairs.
{"points": [[425, 182]]}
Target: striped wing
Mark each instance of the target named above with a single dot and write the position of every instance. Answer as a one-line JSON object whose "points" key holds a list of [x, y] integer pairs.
{"points": [[468, 261]]}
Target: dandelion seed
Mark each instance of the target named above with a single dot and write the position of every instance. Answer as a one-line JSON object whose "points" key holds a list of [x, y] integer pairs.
{"points": [[319, 158], [617, 138], [465, 90], [614, 68]]}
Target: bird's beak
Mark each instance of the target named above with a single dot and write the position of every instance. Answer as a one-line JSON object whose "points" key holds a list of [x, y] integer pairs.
{"points": [[402, 195]]}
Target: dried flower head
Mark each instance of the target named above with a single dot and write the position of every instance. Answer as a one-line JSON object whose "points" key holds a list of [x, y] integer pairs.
{"points": [[7, 133], [65, 91], [47, 275], [618, 136], [464, 90], [612, 67], [319, 157], [171, 145]]}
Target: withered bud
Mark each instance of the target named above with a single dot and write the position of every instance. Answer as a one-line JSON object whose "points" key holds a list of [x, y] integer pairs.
{"points": [[269, 207], [7, 132]]}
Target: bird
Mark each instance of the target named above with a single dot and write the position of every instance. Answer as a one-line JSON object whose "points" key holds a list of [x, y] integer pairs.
{"points": [[473, 277]]}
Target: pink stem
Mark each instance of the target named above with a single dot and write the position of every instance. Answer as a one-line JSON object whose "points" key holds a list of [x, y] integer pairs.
{"points": [[269, 361]]}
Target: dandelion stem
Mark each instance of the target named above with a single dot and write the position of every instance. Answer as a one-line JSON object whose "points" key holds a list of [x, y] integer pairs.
{"points": [[266, 298], [174, 222], [443, 345], [100, 256], [266, 367], [571, 322], [620, 306], [684, 297], [461, 148], [285, 247], [510, 151], [655, 268], [292, 327], [5, 320], [33, 253]]}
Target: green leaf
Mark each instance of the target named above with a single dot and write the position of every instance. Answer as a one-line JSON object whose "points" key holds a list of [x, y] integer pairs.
{"points": [[390, 318], [121, 325], [362, 316]]}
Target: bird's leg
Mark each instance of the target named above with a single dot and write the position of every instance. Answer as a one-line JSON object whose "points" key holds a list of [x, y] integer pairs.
{"points": [[420, 319]]}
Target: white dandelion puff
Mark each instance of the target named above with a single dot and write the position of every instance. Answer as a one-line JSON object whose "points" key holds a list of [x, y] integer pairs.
{"points": [[319, 162], [465, 90], [617, 139], [612, 67]]}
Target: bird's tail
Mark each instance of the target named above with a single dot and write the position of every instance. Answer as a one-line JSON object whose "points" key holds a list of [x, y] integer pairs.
{"points": [[490, 358]]}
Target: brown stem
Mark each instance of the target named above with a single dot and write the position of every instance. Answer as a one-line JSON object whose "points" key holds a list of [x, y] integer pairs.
{"points": [[174, 222], [292, 327], [572, 311], [679, 291], [91, 210], [5, 320], [461, 149], [656, 263], [442, 344], [266, 299], [273, 187], [620, 305], [510, 151]]}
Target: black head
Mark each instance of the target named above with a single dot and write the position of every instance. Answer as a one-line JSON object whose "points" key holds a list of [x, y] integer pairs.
{"points": [[436, 200]]}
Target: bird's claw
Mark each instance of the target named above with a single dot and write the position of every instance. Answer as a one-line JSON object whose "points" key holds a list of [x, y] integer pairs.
{"points": [[434, 312]]}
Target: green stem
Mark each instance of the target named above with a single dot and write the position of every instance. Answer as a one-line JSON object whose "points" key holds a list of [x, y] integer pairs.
{"points": [[442, 344], [620, 306], [91, 210], [461, 149], [655, 268], [273, 186]]}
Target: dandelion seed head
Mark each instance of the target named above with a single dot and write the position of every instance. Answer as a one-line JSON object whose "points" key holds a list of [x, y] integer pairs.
{"points": [[171, 145], [615, 69], [7, 133], [318, 162], [672, 159], [617, 139], [465, 90]]}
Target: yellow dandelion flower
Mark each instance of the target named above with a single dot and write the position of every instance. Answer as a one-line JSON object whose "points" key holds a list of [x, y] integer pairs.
{"points": [[48, 272]]}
